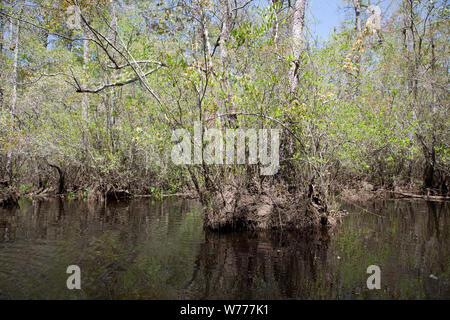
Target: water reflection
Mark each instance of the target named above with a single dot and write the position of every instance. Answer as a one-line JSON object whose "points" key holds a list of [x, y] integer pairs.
{"points": [[158, 250], [262, 265]]}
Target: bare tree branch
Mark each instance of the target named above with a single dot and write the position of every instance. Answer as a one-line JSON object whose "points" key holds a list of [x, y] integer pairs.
{"points": [[116, 84]]}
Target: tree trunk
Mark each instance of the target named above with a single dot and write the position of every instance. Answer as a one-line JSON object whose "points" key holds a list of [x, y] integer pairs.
{"points": [[1, 35], [297, 41], [428, 172], [114, 99], [11, 31], [276, 24], [357, 7], [61, 180], [430, 160], [228, 106], [206, 44], [85, 103], [13, 99], [85, 99]]}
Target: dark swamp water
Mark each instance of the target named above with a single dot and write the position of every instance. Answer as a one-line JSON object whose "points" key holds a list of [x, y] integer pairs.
{"points": [[158, 250]]}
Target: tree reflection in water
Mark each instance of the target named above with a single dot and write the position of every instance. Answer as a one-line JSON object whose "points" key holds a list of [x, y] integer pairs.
{"points": [[158, 250]]}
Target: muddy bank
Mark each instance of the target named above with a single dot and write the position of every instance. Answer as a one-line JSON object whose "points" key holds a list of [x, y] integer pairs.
{"points": [[240, 205], [107, 192], [357, 191], [263, 207]]}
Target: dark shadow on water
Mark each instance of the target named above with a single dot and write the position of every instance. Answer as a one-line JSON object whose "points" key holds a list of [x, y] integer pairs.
{"points": [[256, 265]]}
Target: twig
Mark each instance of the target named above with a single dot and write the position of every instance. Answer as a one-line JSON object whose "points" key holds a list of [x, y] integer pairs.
{"points": [[368, 211]]}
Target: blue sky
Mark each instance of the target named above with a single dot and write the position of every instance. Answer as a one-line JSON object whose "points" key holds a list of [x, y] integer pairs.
{"points": [[325, 15], [322, 15]]}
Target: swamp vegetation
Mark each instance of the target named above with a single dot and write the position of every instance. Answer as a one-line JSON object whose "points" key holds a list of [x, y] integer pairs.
{"points": [[92, 90]]}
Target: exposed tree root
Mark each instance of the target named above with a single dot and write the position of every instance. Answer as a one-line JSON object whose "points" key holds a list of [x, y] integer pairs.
{"points": [[268, 207], [8, 197]]}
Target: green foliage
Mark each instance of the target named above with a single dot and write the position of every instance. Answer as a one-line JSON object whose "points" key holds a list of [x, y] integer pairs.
{"points": [[371, 125]]}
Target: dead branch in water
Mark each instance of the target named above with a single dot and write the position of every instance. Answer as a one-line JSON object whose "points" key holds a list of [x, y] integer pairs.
{"points": [[420, 196]]}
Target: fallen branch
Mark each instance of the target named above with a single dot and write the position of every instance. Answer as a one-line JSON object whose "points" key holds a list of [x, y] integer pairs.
{"points": [[420, 196], [364, 209]]}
